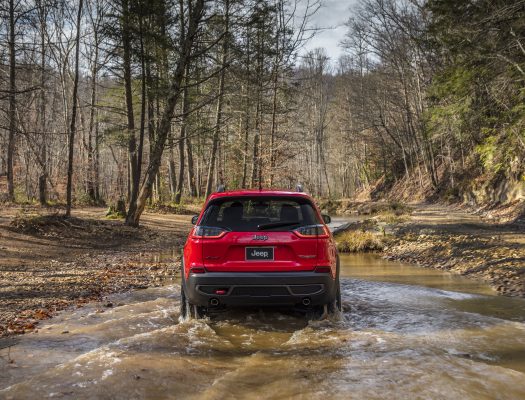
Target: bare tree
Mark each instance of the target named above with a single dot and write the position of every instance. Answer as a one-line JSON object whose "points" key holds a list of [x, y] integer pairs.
{"points": [[220, 97], [72, 129], [12, 102], [188, 37]]}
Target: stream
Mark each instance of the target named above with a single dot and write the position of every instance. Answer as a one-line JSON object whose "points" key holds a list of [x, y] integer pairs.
{"points": [[405, 333]]}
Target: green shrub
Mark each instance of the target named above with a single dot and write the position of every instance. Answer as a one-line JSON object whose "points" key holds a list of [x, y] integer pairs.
{"points": [[117, 210]]}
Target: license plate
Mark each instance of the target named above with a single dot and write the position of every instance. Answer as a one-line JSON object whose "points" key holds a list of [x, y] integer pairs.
{"points": [[259, 253]]}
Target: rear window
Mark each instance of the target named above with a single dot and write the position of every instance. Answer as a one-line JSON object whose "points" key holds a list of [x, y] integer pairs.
{"points": [[249, 214]]}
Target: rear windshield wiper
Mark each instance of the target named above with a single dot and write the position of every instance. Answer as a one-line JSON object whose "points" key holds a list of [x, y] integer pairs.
{"points": [[271, 225]]}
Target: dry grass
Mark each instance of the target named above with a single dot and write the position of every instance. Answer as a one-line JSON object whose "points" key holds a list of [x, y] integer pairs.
{"points": [[392, 217], [356, 241]]}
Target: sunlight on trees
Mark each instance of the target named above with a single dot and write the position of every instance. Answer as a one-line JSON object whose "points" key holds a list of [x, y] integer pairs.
{"points": [[174, 97]]}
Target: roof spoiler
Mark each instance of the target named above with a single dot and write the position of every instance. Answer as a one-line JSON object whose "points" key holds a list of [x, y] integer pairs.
{"points": [[221, 188]]}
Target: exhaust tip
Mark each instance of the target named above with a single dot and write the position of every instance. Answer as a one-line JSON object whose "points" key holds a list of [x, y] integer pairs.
{"points": [[214, 302], [306, 301]]}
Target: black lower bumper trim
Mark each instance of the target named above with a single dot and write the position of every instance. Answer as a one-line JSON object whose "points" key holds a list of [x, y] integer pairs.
{"points": [[260, 288]]}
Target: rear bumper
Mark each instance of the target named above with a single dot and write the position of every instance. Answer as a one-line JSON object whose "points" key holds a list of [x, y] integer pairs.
{"points": [[260, 288]]}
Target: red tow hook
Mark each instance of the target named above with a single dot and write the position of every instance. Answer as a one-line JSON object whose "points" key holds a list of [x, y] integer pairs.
{"points": [[221, 291]]}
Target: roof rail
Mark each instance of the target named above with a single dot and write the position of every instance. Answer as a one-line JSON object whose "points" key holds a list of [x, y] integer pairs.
{"points": [[299, 188], [221, 188]]}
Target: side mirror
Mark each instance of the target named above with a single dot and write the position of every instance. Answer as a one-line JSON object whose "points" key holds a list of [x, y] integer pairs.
{"points": [[326, 218], [194, 219]]}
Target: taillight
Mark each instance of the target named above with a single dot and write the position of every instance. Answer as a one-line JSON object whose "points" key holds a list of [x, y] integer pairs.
{"points": [[312, 231], [197, 270], [323, 270], [208, 232]]}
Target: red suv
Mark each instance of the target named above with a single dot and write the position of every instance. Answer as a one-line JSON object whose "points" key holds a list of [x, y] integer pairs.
{"points": [[259, 248]]}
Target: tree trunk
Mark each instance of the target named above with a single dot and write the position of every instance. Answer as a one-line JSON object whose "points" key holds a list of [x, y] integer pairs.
{"points": [[275, 81], [220, 99], [274, 126], [73, 116], [182, 138], [187, 41], [152, 112], [133, 178], [172, 174], [96, 167], [42, 179], [12, 104], [246, 112], [191, 171], [140, 149], [245, 141], [92, 190], [257, 156], [256, 145]]}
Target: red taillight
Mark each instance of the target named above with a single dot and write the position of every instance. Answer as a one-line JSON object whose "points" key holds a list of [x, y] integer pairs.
{"points": [[197, 270], [323, 270], [312, 231], [208, 232]]}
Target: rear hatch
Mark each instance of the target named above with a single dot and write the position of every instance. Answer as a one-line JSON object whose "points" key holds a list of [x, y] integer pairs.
{"points": [[259, 234]]}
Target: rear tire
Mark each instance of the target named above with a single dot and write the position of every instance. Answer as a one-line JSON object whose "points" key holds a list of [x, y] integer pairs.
{"points": [[187, 310], [183, 304], [198, 312], [331, 309], [336, 305]]}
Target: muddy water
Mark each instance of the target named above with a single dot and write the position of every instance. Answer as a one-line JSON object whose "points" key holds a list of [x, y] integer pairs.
{"points": [[405, 333]]}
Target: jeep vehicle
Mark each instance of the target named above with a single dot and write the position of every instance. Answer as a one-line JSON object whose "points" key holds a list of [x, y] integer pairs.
{"points": [[259, 248]]}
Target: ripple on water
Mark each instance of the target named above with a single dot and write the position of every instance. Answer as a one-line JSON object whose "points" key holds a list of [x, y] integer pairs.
{"points": [[393, 340]]}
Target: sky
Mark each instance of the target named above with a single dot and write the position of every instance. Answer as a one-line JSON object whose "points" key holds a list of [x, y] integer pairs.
{"points": [[331, 18]]}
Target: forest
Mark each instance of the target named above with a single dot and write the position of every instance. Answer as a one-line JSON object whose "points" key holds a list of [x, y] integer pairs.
{"points": [[150, 102], [398, 273]]}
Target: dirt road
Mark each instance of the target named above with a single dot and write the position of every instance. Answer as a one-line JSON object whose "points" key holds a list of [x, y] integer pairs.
{"points": [[49, 266]]}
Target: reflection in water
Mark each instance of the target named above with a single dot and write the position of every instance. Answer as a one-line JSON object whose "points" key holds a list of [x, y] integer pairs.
{"points": [[372, 267], [406, 332]]}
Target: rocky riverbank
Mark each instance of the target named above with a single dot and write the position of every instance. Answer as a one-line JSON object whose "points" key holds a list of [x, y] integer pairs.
{"points": [[497, 262], [454, 240], [447, 238]]}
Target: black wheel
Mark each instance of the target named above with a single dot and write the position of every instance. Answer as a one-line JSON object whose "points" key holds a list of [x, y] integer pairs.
{"points": [[197, 312], [336, 305], [188, 310], [183, 304]]}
